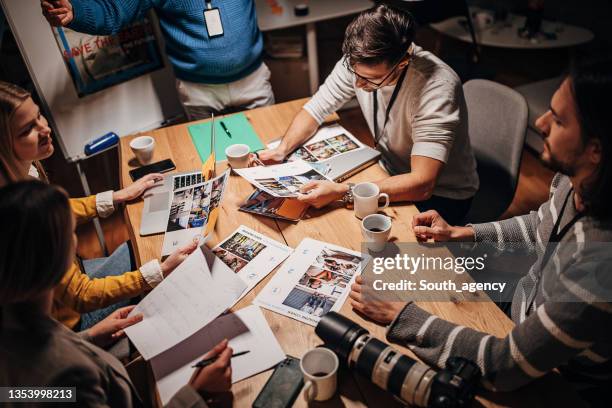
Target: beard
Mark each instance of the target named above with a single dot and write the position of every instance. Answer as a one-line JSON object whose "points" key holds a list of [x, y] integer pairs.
{"points": [[554, 163]]}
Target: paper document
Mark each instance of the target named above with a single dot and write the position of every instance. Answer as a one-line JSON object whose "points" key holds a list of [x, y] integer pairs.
{"points": [[247, 329], [281, 180], [315, 279], [193, 295], [194, 212], [251, 255], [328, 142], [262, 203]]}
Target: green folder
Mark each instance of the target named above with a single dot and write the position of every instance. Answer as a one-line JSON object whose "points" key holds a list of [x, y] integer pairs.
{"points": [[239, 127]]}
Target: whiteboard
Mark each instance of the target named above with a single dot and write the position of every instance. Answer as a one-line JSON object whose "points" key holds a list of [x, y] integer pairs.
{"points": [[139, 104]]}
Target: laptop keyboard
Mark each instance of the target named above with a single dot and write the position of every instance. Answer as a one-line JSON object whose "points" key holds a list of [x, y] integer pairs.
{"points": [[187, 180]]}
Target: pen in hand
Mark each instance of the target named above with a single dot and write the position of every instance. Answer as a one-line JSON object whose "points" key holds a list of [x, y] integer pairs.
{"points": [[225, 129], [208, 361]]}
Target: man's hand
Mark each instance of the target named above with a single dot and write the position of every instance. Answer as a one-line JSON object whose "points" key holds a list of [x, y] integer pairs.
{"points": [[216, 377], [57, 12], [136, 189], [319, 193], [378, 310], [431, 225], [272, 156], [178, 256], [109, 330]]}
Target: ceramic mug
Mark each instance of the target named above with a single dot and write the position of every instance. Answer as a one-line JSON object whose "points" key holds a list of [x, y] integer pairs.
{"points": [[143, 147], [376, 229], [320, 369], [365, 199], [238, 155]]}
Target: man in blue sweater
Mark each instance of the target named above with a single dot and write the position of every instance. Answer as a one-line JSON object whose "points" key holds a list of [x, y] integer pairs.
{"points": [[214, 73]]}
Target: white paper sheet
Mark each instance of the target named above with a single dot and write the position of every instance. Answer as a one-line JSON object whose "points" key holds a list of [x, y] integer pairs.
{"points": [[251, 255], [315, 279], [281, 180], [194, 294], [246, 329], [190, 210]]}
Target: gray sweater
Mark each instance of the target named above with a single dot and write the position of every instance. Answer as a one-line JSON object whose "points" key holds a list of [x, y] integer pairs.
{"points": [[428, 118], [562, 320]]}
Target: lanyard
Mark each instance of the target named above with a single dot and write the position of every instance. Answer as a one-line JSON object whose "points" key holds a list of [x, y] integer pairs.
{"points": [[398, 86], [555, 234]]}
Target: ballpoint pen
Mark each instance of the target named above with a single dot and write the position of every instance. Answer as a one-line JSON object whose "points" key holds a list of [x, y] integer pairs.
{"points": [[208, 361], [225, 129]]}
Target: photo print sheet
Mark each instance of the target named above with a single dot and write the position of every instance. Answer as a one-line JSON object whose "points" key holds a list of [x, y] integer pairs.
{"points": [[193, 212], [328, 142], [315, 279], [281, 180], [251, 255]]}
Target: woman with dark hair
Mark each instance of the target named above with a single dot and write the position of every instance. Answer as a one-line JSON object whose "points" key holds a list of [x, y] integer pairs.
{"points": [[107, 283], [562, 307], [34, 348]]}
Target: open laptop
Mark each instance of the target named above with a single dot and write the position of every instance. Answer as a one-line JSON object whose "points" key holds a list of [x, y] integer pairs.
{"points": [[158, 199]]}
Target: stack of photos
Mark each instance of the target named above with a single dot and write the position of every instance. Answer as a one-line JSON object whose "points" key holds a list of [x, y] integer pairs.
{"points": [[325, 149], [251, 255], [316, 279], [190, 211], [262, 203], [238, 251], [288, 186]]}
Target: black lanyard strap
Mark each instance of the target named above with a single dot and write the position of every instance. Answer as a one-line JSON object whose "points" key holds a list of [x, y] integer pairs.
{"points": [[398, 86]]}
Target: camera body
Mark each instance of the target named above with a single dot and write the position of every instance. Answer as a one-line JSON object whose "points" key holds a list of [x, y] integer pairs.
{"points": [[409, 380]]}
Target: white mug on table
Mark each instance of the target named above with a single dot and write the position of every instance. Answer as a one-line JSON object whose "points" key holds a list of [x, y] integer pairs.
{"points": [[143, 147], [320, 369], [376, 229], [365, 199], [238, 155]]}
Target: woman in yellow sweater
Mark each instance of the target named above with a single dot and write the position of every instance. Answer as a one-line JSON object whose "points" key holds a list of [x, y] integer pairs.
{"points": [[90, 291]]}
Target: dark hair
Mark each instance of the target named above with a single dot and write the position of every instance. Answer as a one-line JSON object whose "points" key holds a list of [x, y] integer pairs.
{"points": [[380, 34], [36, 239], [591, 85]]}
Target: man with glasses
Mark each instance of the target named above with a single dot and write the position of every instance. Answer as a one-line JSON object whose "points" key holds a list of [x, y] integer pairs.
{"points": [[414, 106]]}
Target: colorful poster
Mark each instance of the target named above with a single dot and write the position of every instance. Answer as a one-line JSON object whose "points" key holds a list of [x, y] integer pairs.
{"points": [[98, 62]]}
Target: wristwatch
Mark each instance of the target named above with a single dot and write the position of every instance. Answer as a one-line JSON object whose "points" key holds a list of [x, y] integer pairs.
{"points": [[347, 198]]}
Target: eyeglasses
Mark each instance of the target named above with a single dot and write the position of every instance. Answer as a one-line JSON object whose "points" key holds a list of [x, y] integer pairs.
{"points": [[375, 84]]}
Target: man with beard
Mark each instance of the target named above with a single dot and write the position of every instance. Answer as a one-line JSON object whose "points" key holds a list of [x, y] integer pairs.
{"points": [[562, 307]]}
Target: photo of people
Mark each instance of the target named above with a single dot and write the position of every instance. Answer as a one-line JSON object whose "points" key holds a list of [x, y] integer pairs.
{"points": [[266, 204], [243, 246], [309, 301], [342, 143], [321, 150], [234, 262], [338, 261], [324, 281], [190, 208], [289, 186], [305, 155], [274, 186], [325, 149]]}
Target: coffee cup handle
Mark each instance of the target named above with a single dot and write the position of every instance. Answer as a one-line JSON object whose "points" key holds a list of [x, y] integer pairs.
{"points": [[386, 197], [309, 391]]}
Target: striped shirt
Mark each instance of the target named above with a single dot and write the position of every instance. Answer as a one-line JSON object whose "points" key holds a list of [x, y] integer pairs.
{"points": [[561, 322]]}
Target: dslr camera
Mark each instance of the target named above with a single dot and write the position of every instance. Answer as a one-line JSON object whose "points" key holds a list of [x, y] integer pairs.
{"points": [[412, 382]]}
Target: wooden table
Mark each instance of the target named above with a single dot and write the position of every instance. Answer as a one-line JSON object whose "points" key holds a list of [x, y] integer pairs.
{"points": [[336, 225]]}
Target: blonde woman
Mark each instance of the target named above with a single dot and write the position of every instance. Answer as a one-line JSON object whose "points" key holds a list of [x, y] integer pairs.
{"points": [[91, 290]]}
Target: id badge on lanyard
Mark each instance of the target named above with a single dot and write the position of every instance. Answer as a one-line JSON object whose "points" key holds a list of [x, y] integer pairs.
{"points": [[212, 18]]}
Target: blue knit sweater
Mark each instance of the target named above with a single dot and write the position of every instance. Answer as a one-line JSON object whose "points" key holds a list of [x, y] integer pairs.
{"points": [[194, 56]]}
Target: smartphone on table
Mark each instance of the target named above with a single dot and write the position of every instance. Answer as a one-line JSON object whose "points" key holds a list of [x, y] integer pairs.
{"points": [[157, 167], [283, 386]]}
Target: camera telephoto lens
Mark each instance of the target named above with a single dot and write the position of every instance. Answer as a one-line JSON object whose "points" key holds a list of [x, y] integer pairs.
{"points": [[413, 382]]}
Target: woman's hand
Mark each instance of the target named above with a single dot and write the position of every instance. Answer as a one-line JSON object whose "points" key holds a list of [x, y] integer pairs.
{"points": [[378, 310], [216, 377], [136, 189], [178, 256], [109, 330], [319, 193]]}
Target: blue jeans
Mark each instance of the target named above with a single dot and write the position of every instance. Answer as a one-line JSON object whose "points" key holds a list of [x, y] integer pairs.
{"points": [[117, 264]]}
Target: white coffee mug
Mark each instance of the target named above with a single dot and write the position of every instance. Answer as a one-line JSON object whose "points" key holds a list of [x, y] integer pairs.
{"points": [[320, 369], [376, 229], [238, 155], [365, 199], [143, 147]]}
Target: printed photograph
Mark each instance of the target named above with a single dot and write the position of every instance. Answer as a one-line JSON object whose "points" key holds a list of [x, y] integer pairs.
{"points": [[309, 301], [338, 261], [243, 246], [342, 143], [262, 203], [234, 262], [190, 208], [324, 281], [274, 186], [303, 154], [217, 189], [321, 150], [291, 183], [289, 186]]}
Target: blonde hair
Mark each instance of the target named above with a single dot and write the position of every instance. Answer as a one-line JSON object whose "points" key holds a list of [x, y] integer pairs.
{"points": [[11, 97]]}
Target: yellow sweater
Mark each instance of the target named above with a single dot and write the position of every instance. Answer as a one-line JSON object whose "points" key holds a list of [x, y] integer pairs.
{"points": [[77, 293]]}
